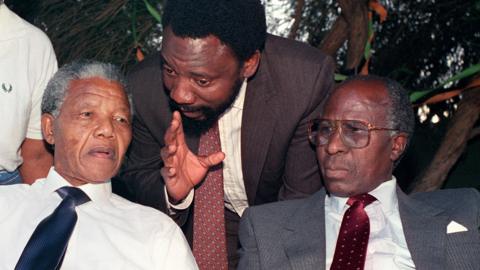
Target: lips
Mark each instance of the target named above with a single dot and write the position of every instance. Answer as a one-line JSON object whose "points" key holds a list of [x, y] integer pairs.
{"points": [[103, 152], [335, 168]]}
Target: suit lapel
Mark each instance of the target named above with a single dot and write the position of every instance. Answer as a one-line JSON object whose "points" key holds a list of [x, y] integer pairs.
{"points": [[304, 238], [258, 122], [425, 232]]}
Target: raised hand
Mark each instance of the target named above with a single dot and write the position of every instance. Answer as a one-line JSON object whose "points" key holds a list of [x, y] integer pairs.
{"points": [[183, 169]]}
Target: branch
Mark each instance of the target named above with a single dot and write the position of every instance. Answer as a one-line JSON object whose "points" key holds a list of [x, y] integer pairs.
{"points": [[335, 38], [296, 19], [474, 133]]}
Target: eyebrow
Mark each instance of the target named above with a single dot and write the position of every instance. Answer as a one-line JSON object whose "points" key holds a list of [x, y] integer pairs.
{"points": [[163, 61]]}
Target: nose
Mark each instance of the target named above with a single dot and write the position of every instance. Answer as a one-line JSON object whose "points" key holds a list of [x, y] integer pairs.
{"points": [[104, 129], [181, 92], [335, 144]]}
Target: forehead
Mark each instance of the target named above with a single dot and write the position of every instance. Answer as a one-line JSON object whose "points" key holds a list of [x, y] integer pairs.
{"points": [[195, 51], [358, 100], [95, 88]]}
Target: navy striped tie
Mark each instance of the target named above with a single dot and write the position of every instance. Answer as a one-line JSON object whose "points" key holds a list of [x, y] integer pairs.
{"points": [[47, 245]]}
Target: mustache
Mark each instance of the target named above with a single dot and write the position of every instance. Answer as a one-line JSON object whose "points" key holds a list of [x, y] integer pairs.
{"points": [[185, 108], [335, 162]]}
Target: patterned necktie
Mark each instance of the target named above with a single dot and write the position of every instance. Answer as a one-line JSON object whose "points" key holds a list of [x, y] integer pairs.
{"points": [[352, 241], [47, 245], [209, 238]]}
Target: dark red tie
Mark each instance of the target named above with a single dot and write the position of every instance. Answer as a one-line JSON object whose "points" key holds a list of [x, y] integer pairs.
{"points": [[209, 238], [352, 241]]}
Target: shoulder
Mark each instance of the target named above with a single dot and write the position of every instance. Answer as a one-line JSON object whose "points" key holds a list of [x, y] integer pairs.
{"points": [[452, 200], [27, 31], [449, 196], [29, 35], [150, 65], [145, 78], [292, 50]]}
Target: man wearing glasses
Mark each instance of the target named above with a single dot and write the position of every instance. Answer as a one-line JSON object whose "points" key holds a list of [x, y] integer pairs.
{"points": [[361, 219]]}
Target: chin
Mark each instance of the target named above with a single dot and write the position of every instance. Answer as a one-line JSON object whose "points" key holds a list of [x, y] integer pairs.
{"points": [[99, 176], [338, 189]]}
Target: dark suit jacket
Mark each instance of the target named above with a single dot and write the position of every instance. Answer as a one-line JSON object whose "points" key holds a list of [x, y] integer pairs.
{"points": [[288, 89], [291, 235]]}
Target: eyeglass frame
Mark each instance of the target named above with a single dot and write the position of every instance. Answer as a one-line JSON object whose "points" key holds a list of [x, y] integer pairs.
{"points": [[370, 127]]}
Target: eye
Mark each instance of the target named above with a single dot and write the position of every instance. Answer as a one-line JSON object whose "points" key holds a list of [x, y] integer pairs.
{"points": [[167, 70], [325, 128], [122, 119], [203, 82], [86, 114], [354, 127]]}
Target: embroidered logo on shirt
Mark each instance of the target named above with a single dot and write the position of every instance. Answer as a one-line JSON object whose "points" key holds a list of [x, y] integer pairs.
{"points": [[7, 88]]}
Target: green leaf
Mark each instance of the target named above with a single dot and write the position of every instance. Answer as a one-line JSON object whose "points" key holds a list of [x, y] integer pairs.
{"points": [[368, 47], [153, 11], [463, 74], [340, 77], [415, 96]]}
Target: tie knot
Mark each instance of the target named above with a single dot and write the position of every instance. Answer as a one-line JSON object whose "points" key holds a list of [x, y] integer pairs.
{"points": [[78, 196], [364, 199]]}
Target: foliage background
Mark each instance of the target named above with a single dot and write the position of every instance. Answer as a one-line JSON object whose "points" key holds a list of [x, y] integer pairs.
{"points": [[421, 44]]}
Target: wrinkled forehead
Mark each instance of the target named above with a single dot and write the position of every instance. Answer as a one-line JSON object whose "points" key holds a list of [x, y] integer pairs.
{"points": [[98, 89], [357, 100], [96, 86]]}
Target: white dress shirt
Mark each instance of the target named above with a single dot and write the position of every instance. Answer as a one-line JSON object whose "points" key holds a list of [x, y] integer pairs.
{"points": [[229, 126], [110, 233], [387, 247]]}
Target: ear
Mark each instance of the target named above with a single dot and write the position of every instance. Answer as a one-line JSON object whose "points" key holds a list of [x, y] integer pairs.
{"points": [[47, 128], [399, 144], [251, 64]]}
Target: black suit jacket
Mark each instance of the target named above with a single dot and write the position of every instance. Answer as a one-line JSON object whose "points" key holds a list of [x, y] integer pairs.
{"points": [[288, 89]]}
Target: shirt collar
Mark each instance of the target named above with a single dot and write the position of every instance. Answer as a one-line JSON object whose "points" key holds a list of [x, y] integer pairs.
{"points": [[386, 194], [96, 192], [238, 103]]}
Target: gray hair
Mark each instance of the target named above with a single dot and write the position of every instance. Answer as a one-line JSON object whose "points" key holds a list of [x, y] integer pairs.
{"points": [[58, 85], [400, 115]]}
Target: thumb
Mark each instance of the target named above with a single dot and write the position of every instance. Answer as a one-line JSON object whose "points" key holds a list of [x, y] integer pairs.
{"points": [[213, 159]]}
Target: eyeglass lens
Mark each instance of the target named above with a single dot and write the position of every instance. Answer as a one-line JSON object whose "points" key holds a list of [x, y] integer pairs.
{"points": [[352, 133]]}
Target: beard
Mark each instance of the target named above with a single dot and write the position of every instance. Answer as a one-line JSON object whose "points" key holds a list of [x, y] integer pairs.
{"points": [[211, 115]]}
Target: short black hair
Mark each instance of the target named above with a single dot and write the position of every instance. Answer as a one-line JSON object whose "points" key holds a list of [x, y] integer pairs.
{"points": [[239, 24]]}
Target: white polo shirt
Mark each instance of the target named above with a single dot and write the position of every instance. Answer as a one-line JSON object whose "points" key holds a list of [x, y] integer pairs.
{"points": [[27, 62]]}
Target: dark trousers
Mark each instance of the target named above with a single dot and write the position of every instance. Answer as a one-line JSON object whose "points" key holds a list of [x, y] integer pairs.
{"points": [[231, 228]]}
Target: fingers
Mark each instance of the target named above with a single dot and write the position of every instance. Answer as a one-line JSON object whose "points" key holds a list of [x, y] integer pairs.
{"points": [[212, 160], [168, 174], [180, 135], [174, 133], [167, 154]]}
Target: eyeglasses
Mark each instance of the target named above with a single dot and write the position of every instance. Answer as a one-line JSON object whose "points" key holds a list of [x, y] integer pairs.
{"points": [[353, 133]]}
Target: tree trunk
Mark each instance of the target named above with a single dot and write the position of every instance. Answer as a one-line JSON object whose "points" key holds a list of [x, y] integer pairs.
{"points": [[459, 131]]}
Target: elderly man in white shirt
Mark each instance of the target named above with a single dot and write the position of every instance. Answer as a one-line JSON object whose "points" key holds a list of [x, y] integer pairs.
{"points": [[361, 219], [71, 219]]}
